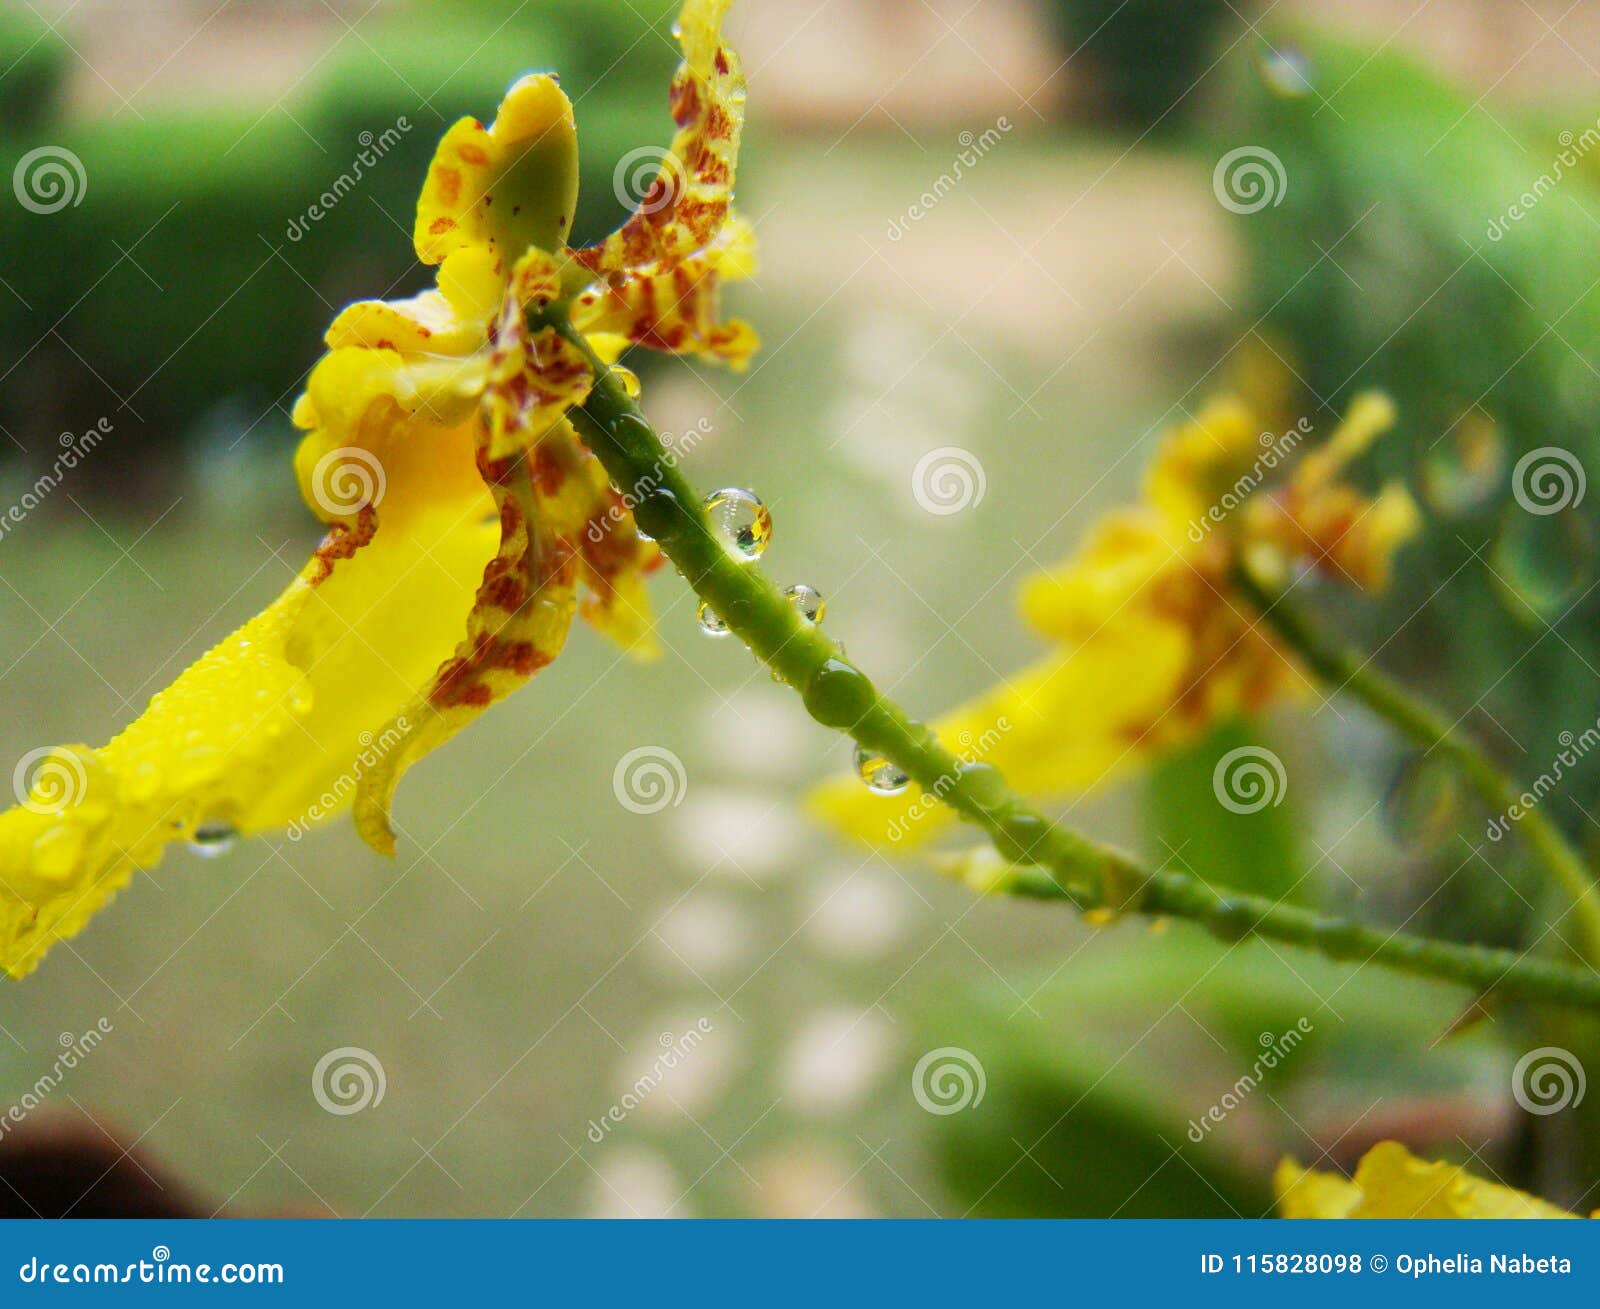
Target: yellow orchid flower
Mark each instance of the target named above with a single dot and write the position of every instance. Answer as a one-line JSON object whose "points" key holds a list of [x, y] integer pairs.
{"points": [[465, 515], [1155, 644], [1391, 1182]]}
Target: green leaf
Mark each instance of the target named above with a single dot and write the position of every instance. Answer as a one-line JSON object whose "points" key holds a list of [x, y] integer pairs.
{"points": [[1205, 816], [1099, 1094]]}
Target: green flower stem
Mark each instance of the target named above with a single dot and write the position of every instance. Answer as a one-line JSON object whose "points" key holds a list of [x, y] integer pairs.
{"points": [[840, 696], [1346, 670], [1234, 917]]}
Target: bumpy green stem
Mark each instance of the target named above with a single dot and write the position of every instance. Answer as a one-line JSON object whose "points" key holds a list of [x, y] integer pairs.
{"points": [[838, 695], [1346, 670]]}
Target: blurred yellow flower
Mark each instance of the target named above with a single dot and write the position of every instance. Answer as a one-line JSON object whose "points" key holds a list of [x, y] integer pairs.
{"points": [[1391, 1182], [465, 515], [1155, 644]]}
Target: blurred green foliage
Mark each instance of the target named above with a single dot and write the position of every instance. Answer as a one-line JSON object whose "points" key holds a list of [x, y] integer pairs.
{"points": [[1394, 258], [1390, 261], [1147, 56], [189, 273], [1257, 851], [1076, 1121], [36, 63]]}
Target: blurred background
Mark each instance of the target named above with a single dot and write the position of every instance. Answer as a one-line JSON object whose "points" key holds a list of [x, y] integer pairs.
{"points": [[245, 167]]}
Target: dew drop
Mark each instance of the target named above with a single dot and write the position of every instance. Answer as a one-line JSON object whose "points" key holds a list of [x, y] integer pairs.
{"points": [[213, 838], [1023, 837], [710, 620], [658, 515], [1285, 71], [808, 603], [634, 433], [1460, 474], [1338, 937], [629, 380], [1230, 920], [741, 522], [838, 694], [984, 783], [881, 776], [1542, 563], [1424, 803]]}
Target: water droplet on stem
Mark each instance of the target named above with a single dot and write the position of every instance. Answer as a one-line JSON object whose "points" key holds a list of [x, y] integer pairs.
{"points": [[807, 601], [741, 522], [880, 775]]}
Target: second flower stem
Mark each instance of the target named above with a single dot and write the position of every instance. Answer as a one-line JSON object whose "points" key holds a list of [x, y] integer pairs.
{"points": [[1346, 670], [839, 695]]}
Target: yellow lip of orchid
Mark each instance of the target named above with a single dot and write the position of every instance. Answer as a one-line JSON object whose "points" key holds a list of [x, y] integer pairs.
{"points": [[1154, 646], [506, 188], [467, 521]]}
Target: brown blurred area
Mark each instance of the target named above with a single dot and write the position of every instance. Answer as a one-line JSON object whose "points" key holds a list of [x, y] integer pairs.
{"points": [[67, 1165]]}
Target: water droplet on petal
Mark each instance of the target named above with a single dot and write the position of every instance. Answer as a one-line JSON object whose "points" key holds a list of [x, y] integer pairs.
{"points": [[879, 774], [741, 521], [710, 620], [807, 601], [1425, 801], [213, 838], [1543, 562], [1286, 71], [1462, 472]]}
